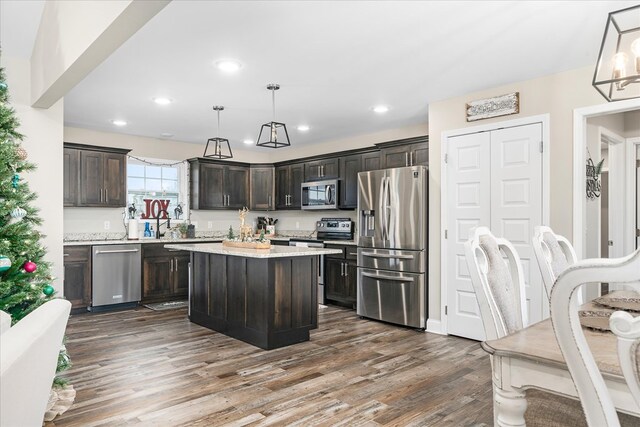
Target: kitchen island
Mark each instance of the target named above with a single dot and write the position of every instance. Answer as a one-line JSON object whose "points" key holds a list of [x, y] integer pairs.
{"points": [[265, 297]]}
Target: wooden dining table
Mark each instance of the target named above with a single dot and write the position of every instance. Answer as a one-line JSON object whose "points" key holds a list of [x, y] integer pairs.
{"points": [[531, 358]]}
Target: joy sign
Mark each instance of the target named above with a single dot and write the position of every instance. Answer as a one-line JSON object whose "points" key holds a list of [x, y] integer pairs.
{"points": [[152, 208]]}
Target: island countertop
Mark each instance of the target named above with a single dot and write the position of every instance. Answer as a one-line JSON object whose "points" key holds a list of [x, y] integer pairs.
{"points": [[273, 252]]}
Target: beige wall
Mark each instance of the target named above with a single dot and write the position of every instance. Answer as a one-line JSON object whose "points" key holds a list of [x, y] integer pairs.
{"points": [[558, 95], [43, 141]]}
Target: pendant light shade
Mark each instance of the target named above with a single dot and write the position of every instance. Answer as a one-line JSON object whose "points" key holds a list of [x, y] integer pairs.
{"points": [[617, 74], [275, 133], [218, 148]]}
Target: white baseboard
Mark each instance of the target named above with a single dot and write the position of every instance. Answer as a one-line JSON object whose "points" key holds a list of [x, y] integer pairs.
{"points": [[434, 326]]}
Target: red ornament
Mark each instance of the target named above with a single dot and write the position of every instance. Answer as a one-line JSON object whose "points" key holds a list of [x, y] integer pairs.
{"points": [[29, 266]]}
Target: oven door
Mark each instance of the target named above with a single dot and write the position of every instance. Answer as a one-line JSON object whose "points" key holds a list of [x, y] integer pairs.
{"points": [[394, 297], [320, 195]]}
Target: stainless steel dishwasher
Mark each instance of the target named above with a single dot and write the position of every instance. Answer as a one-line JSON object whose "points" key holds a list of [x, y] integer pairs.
{"points": [[116, 276]]}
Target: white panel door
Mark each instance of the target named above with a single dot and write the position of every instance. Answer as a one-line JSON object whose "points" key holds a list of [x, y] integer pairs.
{"points": [[468, 195], [516, 201]]}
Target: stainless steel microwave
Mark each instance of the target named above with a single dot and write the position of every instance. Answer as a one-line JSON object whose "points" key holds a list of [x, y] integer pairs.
{"points": [[320, 195]]}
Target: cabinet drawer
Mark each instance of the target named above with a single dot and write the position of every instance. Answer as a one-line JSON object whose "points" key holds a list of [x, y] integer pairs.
{"points": [[77, 253], [340, 255], [351, 252], [158, 249]]}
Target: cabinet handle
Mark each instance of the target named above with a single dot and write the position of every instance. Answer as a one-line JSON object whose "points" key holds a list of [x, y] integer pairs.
{"points": [[412, 153], [65, 255], [101, 195], [106, 195], [228, 200], [176, 265], [171, 267], [342, 268], [269, 201], [406, 159]]}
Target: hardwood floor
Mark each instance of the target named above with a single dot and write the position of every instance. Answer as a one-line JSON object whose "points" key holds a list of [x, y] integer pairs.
{"points": [[144, 367]]}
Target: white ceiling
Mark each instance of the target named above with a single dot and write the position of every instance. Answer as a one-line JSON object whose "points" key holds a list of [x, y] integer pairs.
{"points": [[19, 22], [334, 62]]}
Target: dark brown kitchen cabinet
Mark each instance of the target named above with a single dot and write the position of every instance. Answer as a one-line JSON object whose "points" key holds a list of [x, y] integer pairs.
{"points": [[94, 176], [340, 276], [77, 276], [321, 169], [262, 188], [289, 186], [350, 166], [165, 273], [406, 152], [219, 185], [71, 171]]}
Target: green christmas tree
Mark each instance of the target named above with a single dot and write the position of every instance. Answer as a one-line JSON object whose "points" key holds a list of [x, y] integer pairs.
{"points": [[25, 278]]}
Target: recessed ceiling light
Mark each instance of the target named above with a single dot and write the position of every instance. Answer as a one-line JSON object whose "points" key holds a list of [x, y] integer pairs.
{"points": [[380, 109], [228, 65], [303, 128], [162, 101], [248, 141], [166, 135], [119, 122]]}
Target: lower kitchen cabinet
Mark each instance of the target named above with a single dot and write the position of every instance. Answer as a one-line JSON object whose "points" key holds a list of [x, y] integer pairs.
{"points": [[165, 273], [77, 276], [341, 276]]}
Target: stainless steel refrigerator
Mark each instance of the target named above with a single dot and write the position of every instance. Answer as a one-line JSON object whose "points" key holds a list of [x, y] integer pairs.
{"points": [[392, 245]]}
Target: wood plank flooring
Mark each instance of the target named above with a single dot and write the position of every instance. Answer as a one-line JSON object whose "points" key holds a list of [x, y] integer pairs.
{"points": [[155, 368]]}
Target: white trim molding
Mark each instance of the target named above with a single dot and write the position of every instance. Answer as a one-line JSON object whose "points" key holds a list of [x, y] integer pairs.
{"points": [[580, 116], [435, 327]]}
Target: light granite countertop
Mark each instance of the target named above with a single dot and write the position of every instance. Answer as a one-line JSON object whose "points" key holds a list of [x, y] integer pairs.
{"points": [[133, 242], [273, 252]]}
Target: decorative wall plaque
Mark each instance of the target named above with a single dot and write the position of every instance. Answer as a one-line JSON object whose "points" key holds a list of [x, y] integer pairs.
{"points": [[502, 105]]}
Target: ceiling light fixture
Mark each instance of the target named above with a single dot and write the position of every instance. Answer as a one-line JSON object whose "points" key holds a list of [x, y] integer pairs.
{"points": [[166, 135], [380, 109], [248, 141], [119, 122], [617, 74], [272, 128], [162, 101], [228, 65], [220, 146], [303, 128]]}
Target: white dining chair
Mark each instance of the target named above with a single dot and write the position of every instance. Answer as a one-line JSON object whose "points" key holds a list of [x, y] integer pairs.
{"points": [[627, 330], [590, 385], [497, 282], [554, 254]]}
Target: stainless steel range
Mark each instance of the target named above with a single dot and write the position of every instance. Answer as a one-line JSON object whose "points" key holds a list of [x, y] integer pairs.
{"points": [[326, 229]]}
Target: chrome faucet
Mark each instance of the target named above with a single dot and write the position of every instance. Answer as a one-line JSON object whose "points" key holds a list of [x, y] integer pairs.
{"points": [[168, 222]]}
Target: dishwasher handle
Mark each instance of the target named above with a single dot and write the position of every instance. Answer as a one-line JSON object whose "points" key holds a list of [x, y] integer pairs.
{"points": [[120, 251]]}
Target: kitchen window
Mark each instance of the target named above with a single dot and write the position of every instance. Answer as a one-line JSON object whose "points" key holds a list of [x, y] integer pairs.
{"points": [[156, 179]]}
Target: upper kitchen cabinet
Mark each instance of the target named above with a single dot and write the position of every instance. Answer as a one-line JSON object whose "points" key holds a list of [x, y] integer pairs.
{"points": [[289, 186], [350, 166], [218, 184], [71, 168], [94, 176], [404, 152], [262, 187], [318, 170]]}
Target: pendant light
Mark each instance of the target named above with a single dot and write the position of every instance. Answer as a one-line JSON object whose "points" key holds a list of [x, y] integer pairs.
{"points": [[276, 135], [617, 74], [220, 146]]}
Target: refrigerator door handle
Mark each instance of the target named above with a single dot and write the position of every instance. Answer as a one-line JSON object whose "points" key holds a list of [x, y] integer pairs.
{"points": [[385, 277], [375, 255], [387, 207], [382, 210]]}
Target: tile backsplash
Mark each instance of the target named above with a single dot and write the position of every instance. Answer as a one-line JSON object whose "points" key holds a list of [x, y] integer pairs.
{"points": [[108, 222]]}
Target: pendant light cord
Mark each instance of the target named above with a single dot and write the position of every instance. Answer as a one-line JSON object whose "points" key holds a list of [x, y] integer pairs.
{"points": [[273, 103]]}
